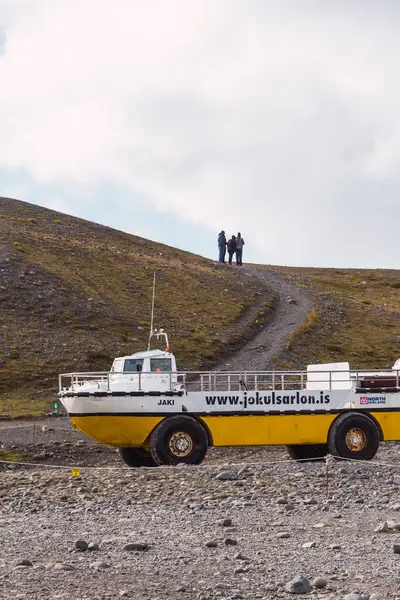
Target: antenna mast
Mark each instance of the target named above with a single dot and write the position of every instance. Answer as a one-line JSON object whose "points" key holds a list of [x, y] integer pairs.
{"points": [[152, 311]]}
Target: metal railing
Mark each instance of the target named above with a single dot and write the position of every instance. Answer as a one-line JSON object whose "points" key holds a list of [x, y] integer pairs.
{"points": [[207, 381]]}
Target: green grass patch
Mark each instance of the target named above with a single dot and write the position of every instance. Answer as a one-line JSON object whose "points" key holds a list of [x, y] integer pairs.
{"points": [[11, 456], [22, 404]]}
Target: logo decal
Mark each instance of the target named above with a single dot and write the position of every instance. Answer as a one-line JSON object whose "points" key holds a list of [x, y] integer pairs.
{"points": [[372, 400]]}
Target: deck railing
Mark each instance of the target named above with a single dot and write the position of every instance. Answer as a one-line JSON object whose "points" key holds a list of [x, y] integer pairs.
{"points": [[201, 381]]}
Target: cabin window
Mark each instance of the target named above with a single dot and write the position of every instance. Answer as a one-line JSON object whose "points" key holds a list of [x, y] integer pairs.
{"points": [[133, 365], [160, 365]]}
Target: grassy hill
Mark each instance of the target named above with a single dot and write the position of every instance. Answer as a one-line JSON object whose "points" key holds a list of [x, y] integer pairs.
{"points": [[355, 318], [73, 295]]}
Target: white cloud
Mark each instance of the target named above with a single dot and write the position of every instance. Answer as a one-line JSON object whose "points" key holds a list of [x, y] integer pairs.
{"points": [[255, 114]]}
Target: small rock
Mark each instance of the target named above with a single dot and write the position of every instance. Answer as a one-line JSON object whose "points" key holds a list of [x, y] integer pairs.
{"points": [[62, 567], [81, 545], [281, 501], [320, 583], [307, 545], [136, 547], [382, 528], [283, 535], [211, 544], [298, 585], [226, 476], [319, 525], [92, 546], [335, 547], [230, 542], [24, 563], [99, 565], [225, 522], [396, 548], [123, 594]]}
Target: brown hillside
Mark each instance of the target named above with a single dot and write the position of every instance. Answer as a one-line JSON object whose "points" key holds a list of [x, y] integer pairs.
{"points": [[74, 294]]}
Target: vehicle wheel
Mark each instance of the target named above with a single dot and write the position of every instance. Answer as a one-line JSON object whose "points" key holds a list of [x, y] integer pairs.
{"points": [[178, 440], [307, 451], [353, 435], [136, 457]]}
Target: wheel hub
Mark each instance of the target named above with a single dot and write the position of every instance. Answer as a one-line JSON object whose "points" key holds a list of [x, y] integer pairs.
{"points": [[180, 444], [356, 440]]}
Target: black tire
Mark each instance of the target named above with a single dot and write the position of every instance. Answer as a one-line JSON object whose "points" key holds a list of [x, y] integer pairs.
{"points": [[136, 457], [178, 439], [307, 451], [353, 435]]}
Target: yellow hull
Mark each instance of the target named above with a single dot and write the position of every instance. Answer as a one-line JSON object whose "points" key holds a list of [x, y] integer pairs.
{"points": [[117, 431], [240, 430], [254, 430]]}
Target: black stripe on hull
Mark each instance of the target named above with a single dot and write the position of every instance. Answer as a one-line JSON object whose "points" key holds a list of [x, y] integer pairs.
{"points": [[235, 413], [117, 394], [387, 390]]}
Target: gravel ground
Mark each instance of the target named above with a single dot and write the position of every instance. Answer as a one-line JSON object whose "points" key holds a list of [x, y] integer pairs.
{"points": [[275, 509]]}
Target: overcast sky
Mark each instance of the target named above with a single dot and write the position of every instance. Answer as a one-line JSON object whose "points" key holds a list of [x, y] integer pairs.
{"points": [[172, 119]]}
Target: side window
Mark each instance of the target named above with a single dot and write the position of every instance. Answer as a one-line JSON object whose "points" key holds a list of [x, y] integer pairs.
{"points": [[160, 365], [133, 365]]}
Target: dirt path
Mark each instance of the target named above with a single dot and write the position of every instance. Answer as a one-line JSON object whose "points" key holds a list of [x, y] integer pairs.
{"points": [[292, 307]]}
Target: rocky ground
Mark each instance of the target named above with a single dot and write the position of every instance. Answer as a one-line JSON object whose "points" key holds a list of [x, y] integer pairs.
{"points": [[241, 526]]}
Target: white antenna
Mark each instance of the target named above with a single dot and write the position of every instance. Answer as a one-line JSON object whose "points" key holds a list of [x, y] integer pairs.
{"points": [[152, 311], [155, 332]]}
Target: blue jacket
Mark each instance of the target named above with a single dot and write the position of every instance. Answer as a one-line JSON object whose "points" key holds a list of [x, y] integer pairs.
{"points": [[221, 241]]}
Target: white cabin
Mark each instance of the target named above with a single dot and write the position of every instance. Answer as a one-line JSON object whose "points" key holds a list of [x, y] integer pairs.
{"points": [[146, 371]]}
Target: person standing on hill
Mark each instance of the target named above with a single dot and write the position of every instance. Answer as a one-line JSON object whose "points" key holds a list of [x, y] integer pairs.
{"points": [[222, 246], [231, 245], [239, 249]]}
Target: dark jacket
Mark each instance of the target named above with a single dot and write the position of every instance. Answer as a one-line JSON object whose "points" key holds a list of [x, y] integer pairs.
{"points": [[231, 246]]}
